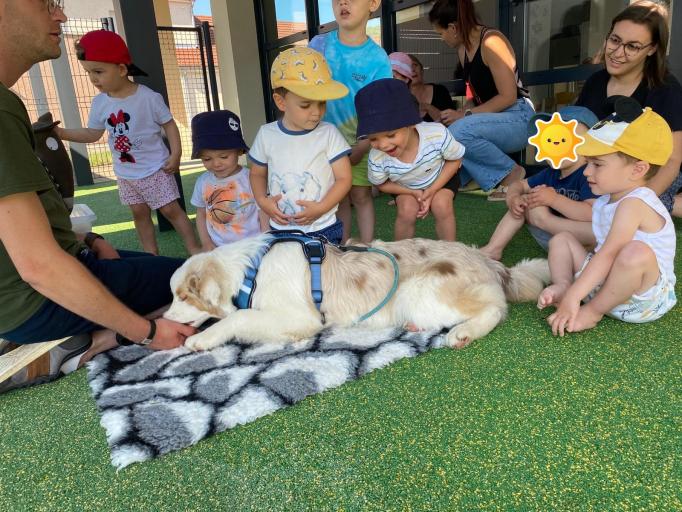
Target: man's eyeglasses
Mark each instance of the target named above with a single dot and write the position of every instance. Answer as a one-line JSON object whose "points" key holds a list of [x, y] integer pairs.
{"points": [[53, 5], [631, 50]]}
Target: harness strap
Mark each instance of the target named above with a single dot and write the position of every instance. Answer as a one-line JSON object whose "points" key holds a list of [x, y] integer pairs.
{"points": [[313, 248]]}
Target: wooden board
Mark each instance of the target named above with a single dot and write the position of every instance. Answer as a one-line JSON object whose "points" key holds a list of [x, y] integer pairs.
{"points": [[12, 362]]}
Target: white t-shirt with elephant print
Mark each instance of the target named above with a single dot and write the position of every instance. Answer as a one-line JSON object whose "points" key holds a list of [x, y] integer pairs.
{"points": [[299, 167]]}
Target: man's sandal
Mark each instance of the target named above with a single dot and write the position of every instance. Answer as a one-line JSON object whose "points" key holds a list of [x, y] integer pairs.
{"points": [[60, 360]]}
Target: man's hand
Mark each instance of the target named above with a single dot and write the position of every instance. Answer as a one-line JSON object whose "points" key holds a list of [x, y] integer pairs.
{"points": [[312, 210], [172, 165], [517, 204], [104, 250], [269, 206], [170, 334], [542, 195]]}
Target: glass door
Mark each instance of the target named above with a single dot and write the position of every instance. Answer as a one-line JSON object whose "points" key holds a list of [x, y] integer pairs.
{"points": [[555, 43]]}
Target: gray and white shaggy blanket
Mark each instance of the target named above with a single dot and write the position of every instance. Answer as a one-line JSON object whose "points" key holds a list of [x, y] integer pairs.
{"points": [[152, 403]]}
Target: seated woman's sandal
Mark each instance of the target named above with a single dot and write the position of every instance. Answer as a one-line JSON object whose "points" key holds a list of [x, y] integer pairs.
{"points": [[498, 194]]}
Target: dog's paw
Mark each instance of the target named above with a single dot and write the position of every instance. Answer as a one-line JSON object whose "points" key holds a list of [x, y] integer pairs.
{"points": [[459, 337], [203, 341]]}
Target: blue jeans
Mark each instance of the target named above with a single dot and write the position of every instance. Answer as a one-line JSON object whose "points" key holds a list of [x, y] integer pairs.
{"points": [[488, 138], [139, 280]]}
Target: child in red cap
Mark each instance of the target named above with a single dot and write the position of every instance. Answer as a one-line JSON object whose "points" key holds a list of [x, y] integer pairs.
{"points": [[134, 116]]}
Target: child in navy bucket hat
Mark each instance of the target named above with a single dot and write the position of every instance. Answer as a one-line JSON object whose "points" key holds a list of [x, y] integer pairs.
{"points": [[226, 208], [415, 161]]}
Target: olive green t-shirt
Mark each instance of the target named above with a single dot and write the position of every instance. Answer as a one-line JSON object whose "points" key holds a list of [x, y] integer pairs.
{"points": [[21, 171]]}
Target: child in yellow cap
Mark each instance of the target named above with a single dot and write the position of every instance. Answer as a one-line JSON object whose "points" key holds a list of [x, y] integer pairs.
{"points": [[630, 274], [300, 168]]}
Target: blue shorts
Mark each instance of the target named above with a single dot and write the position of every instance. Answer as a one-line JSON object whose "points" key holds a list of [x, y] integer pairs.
{"points": [[139, 280], [333, 233]]}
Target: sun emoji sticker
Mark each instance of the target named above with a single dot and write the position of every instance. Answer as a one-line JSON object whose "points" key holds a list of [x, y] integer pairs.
{"points": [[556, 140]]}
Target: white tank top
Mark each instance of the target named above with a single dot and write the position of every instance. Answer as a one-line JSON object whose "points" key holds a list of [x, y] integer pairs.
{"points": [[662, 242]]}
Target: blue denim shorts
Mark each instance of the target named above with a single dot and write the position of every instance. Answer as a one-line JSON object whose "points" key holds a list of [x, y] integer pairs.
{"points": [[141, 281], [333, 233]]}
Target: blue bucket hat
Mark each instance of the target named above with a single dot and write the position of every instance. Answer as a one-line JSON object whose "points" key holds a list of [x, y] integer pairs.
{"points": [[581, 114], [219, 129], [385, 105]]}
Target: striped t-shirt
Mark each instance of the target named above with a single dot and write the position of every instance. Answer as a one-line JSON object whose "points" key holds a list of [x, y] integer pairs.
{"points": [[436, 146]]}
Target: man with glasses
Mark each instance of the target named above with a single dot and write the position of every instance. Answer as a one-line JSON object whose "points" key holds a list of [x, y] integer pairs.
{"points": [[51, 284]]}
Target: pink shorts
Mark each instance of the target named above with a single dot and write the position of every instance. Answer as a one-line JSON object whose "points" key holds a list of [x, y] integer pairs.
{"points": [[155, 191]]}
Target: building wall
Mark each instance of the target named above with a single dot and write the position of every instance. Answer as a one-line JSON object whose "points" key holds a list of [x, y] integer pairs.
{"points": [[89, 8], [181, 13]]}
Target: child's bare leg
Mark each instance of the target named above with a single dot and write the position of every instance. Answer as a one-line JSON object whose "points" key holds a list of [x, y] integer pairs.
{"points": [[634, 271], [344, 215], [566, 255], [406, 217], [444, 213], [142, 217], [504, 232], [364, 211], [178, 218], [543, 218]]}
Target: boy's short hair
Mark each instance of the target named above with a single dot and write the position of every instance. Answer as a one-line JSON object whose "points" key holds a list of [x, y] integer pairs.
{"points": [[106, 46], [305, 72], [384, 105], [572, 112], [217, 129], [640, 134], [653, 168]]}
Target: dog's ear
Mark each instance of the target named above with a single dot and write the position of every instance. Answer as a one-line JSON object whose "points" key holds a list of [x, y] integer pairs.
{"points": [[193, 284], [210, 291]]}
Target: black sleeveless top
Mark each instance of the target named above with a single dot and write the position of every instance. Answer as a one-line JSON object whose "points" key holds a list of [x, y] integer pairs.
{"points": [[481, 80]]}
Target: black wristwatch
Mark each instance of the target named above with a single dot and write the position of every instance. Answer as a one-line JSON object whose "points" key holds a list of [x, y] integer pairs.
{"points": [[90, 238], [468, 112], [122, 340]]}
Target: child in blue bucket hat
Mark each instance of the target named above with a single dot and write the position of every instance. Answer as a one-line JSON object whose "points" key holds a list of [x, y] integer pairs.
{"points": [[415, 161], [226, 208]]}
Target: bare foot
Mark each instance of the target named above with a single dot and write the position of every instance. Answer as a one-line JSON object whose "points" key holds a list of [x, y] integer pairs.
{"points": [[102, 340], [587, 318], [491, 252], [552, 295]]}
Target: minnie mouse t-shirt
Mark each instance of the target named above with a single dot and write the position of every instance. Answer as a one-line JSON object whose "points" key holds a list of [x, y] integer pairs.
{"points": [[134, 127]]}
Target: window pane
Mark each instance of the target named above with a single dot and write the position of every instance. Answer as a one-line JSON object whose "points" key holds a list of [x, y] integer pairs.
{"points": [[563, 34], [374, 30], [324, 7], [291, 17], [416, 36]]}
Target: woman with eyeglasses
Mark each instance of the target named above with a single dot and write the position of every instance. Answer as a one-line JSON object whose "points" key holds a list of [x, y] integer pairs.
{"points": [[634, 58], [497, 123]]}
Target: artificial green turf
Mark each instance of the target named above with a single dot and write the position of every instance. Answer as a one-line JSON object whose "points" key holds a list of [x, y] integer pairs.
{"points": [[519, 420]]}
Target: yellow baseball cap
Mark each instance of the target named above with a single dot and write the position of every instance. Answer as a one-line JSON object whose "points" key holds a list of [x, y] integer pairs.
{"points": [[305, 72], [644, 135]]}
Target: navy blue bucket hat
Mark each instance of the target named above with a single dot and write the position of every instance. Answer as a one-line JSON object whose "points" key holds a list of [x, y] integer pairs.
{"points": [[581, 114], [219, 129], [385, 105]]}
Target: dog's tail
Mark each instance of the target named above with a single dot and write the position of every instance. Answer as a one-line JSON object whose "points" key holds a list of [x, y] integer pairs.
{"points": [[525, 280]]}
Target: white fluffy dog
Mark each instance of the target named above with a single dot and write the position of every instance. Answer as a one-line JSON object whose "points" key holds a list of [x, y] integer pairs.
{"points": [[442, 284]]}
